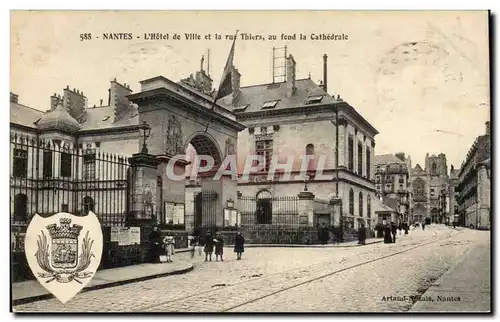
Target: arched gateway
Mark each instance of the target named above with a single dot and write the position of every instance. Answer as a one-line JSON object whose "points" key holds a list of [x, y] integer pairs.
{"points": [[178, 116]]}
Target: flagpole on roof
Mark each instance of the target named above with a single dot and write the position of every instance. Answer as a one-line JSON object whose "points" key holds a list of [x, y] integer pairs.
{"points": [[225, 86]]}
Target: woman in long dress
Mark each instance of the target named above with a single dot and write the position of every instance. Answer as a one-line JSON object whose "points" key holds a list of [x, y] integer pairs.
{"points": [[219, 247], [239, 245]]}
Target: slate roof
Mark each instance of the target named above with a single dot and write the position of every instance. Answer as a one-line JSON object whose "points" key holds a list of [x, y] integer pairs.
{"points": [[58, 119], [380, 206], [24, 115], [255, 96], [383, 159], [101, 117]]}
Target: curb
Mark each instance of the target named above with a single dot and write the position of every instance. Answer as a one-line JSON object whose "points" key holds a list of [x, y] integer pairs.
{"points": [[305, 246], [31, 299]]}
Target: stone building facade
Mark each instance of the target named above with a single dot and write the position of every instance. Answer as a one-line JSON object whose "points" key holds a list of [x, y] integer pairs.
{"points": [[392, 181], [427, 185], [296, 117], [474, 184]]}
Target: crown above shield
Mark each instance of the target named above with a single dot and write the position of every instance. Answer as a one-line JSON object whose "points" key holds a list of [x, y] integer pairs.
{"points": [[64, 230]]}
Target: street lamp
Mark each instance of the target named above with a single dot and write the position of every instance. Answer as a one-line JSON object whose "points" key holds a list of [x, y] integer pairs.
{"points": [[145, 132]]}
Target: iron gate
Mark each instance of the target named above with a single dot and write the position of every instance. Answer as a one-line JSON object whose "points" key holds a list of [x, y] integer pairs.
{"points": [[52, 176], [205, 211]]}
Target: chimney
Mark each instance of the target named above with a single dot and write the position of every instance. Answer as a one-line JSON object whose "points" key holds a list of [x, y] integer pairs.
{"points": [[54, 100], [325, 71], [235, 80], [488, 128], [290, 75], [75, 103], [14, 98], [118, 98]]}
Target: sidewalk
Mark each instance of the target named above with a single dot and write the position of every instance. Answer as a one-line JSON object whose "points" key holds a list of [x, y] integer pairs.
{"points": [[464, 288], [30, 291], [353, 243]]}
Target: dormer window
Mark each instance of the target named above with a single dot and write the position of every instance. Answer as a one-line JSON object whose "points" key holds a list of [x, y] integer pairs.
{"points": [[270, 104], [240, 108], [314, 99]]}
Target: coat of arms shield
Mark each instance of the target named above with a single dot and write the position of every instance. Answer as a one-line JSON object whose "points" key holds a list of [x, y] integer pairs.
{"points": [[64, 252]]}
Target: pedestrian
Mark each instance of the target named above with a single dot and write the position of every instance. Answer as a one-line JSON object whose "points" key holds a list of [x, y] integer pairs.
{"points": [[192, 245], [219, 246], [362, 235], [423, 225], [394, 230], [239, 245], [155, 248], [400, 228], [209, 246], [454, 224], [387, 234], [324, 234], [169, 243], [406, 228]]}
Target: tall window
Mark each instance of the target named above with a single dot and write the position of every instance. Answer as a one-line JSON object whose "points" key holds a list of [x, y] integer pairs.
{"points": [[419, 190], [434, 168], [65, 165], [360, 204], [89, 166], [360, 158], [20, 163], [368, 206], [47, 164], [265, 149], [368, 163], [20, 207], [350, 147], [351, 202], [310, 149]]}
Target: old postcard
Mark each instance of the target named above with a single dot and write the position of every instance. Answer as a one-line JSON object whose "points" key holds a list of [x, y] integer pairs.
{"points": [[250, 161]]}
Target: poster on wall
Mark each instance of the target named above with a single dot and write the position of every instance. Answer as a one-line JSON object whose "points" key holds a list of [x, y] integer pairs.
{"points": [[123, 237], [115, 234], [178, 214], [134, 235], [169, 212]]}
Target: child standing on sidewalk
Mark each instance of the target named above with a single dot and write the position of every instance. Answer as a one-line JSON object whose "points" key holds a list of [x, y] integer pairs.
{"points": [[219, 246], [239, 245], [169, 242]]}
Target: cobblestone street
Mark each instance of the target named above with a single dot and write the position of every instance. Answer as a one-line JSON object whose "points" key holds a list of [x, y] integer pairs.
{"points": [[346, 279]]}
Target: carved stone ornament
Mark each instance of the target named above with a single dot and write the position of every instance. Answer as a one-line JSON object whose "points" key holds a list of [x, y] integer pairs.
{"points": [[230, 148], [174, 136]]}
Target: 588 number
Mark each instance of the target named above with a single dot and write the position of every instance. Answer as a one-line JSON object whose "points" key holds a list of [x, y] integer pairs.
{"points": [[86, 36]]}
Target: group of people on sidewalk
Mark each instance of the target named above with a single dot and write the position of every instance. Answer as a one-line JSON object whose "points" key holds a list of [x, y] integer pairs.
{"points": [[162, 248], [391, 231]]}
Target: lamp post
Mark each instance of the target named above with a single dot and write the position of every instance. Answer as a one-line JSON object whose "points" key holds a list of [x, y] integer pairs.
{"points": [[145, 132]]}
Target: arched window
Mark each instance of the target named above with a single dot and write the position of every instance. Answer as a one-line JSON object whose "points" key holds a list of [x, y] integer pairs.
{"points": [[264, 211], [88, 205], [368, 206], [310, 149], [419, 193], [20, 207], [360, 204], [434, 168], [351, 202]]}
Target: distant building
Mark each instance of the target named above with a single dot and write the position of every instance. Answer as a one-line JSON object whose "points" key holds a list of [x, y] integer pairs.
{"points": [[474, 184], [453, 214], [427, 185], [392, 181]]}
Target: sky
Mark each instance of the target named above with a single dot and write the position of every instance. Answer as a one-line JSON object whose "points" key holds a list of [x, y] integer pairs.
{"points": [[420, 78]]}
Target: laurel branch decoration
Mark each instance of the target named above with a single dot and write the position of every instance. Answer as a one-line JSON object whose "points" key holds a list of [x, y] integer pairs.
{"points": [[64, 276]]}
